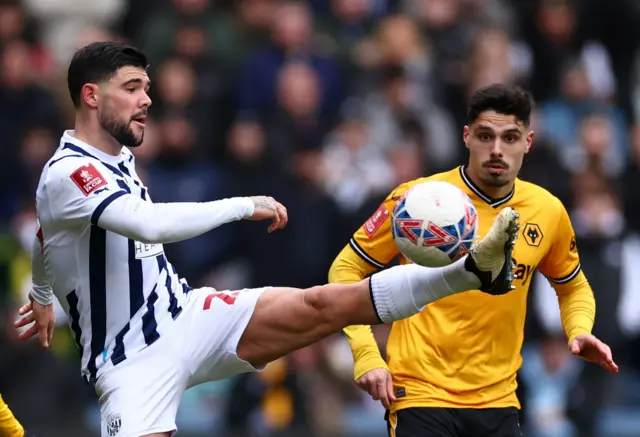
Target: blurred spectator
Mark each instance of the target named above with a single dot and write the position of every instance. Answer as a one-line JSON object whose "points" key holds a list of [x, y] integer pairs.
{"points": [[176, 174], [491, 60], [291, 40], [550, 373], [296, 127], [553, 36], [398, 107], [23, 104], [62, 20], [355, 168], [561, 118], [191, 27], [631, 180]]}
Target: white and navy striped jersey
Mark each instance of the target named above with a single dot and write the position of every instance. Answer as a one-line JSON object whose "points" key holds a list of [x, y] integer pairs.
{"points": [[120, 295]]}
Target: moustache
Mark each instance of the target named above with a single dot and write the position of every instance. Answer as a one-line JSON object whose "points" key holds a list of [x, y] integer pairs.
{"points": [[496, 163]]}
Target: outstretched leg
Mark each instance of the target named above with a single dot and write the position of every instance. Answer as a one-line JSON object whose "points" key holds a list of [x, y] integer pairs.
{"points": [[286, 319]]}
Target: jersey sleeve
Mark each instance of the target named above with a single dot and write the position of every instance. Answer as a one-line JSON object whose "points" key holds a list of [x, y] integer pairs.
{"points": [[79, 189], [561, 264], [373, 241]]}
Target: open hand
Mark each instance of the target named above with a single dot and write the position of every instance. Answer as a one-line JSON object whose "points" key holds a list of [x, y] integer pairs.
{"points": [[267, 208], [589, 348], [44, 318], [377, 383]]}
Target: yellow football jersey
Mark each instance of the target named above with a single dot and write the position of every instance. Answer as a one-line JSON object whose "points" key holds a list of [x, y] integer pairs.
{"points": [[9, 425], [464, 350]]}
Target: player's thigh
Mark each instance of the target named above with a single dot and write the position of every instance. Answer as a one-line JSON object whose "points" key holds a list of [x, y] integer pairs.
{"points": [[492, 422], [141, 396], [425, 422], [212, 324], [287, 319]]}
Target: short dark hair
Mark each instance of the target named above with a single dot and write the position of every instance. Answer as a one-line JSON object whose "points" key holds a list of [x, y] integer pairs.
{"points": [[98, 62], [503, 99]]}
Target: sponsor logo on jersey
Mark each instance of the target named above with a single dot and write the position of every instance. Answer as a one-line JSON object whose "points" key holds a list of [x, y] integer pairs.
{"points": [[372, 225], [148, 250], [523, 272], [88, 179]]}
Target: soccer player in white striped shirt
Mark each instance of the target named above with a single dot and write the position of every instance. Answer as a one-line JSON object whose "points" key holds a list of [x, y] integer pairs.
{"points": [[144, 335]]}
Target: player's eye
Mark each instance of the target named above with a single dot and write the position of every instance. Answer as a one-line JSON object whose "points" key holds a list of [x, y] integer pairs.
{"points": [[131, 90], [484, 137], [510, 138]]}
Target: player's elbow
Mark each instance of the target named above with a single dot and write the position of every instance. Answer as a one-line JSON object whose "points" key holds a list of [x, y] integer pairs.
{"points": [[341, 272], [148, 234], [345, 268], [334, 269]]}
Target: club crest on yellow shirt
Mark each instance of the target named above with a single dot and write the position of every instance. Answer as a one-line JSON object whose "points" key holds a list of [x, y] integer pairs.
{"points": [[532, 234]]}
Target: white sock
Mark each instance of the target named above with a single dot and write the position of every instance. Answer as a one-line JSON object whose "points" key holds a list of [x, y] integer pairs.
{"points": [[402, 291]]}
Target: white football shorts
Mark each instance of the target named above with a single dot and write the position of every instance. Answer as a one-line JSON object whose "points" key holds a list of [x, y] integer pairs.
{"points": [[141, 395]]}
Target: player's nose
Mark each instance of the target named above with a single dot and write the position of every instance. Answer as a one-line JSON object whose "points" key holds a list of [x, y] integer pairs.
{"points": [[146, 101], [496, 148]]}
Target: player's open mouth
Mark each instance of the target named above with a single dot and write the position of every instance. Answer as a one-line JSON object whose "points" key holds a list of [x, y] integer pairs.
{"points": [[140, 120]]}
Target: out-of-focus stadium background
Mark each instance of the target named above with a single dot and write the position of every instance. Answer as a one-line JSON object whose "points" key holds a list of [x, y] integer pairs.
{"points": [[327, 105]]}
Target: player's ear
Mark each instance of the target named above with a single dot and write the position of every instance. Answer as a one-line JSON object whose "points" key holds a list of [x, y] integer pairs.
{"points": [[529, 141], [89, 94], [465, 135]]}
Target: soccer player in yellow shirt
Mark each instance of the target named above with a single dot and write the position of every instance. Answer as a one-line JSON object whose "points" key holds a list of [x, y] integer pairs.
{"points": [[9, 425], [451, 369]]}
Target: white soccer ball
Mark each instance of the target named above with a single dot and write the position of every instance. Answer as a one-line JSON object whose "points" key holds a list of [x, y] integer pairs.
{"points": [[434, 223]]}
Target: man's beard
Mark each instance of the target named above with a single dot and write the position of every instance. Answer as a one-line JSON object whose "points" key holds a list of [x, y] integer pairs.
{"points": [[121, 131], [496, 182]]}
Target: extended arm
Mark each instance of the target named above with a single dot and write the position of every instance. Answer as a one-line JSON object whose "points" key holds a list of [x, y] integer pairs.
{"points": [[80, 191], [561, 265], [162, 223]]}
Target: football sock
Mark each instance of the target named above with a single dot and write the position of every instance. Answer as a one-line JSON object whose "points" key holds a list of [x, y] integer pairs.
{"points": [[402, 291]]}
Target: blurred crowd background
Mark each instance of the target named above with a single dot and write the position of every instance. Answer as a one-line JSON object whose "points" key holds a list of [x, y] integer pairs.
{"points": [[327, 105]]}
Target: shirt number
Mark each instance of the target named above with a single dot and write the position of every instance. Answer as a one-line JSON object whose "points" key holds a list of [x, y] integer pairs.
{"points": [[228, 298]]}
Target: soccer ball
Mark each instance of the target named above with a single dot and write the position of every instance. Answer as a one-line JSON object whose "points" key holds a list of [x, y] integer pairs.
{"points": [[434, 223]]}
